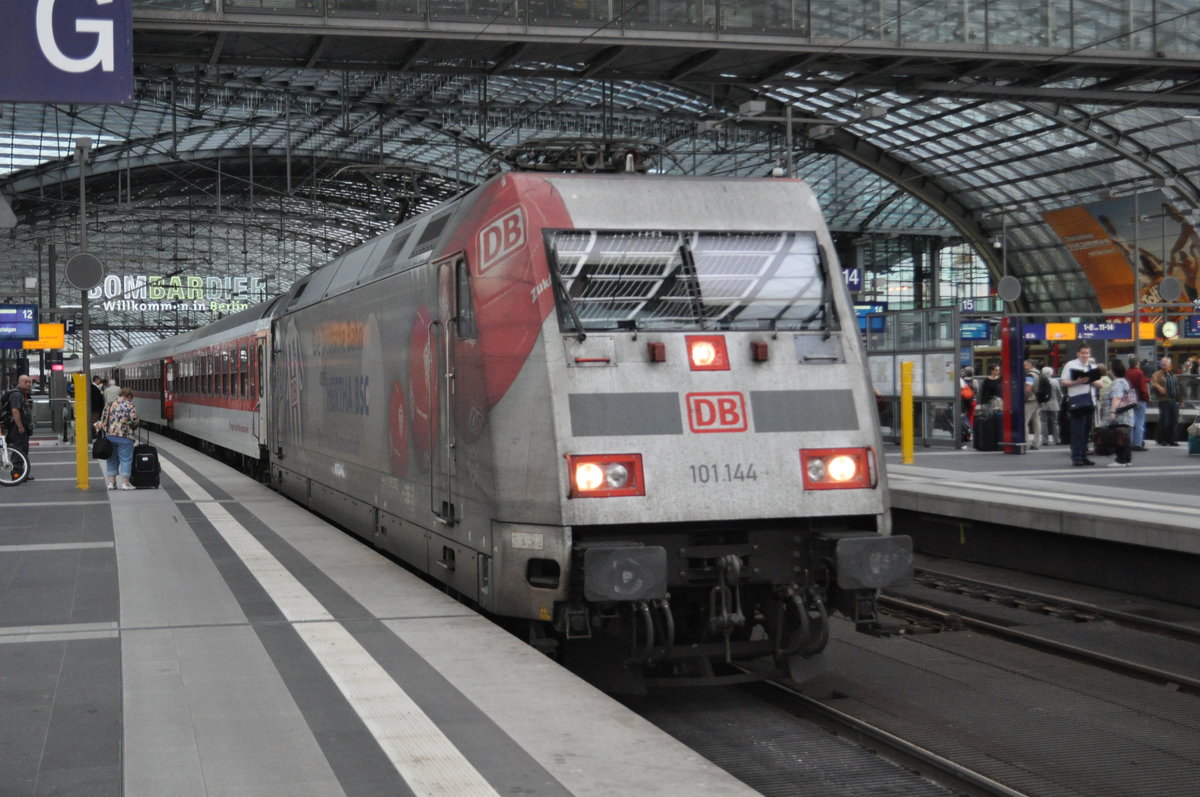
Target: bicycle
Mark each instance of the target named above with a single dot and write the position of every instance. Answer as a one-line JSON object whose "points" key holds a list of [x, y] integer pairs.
{"points": [[13, 465]]}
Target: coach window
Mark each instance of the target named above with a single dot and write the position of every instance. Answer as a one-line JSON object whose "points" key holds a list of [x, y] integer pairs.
{"points": [[243, 371], [462, 300]]}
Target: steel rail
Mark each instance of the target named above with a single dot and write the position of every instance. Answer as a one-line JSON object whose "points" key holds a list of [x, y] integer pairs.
{"points": [[1122, 665], [949, 773], [1126, 618]]}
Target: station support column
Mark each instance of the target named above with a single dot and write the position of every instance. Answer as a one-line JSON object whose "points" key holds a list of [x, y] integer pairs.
{"points": [[906, 413], [83, 425], [1012, 375]]}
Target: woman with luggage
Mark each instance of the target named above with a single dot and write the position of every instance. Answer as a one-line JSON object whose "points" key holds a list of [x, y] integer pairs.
{"points": [[1116, 413], [118, 422]]}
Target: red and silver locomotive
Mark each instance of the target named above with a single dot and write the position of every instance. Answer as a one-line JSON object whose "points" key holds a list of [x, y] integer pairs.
{"points": [[632, 411]]}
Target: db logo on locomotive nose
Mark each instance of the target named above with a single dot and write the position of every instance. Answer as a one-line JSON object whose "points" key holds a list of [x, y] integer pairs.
{"points": [[501, 238], [716, 412]]}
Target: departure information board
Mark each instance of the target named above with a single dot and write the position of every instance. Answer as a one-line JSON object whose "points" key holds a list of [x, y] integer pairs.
{"points": [[18, 322]]}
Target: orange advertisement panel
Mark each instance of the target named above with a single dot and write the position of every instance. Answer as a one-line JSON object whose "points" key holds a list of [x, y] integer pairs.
{"points": [[1114, 239], [1104, 264], [1060, 332], [50, 336]]}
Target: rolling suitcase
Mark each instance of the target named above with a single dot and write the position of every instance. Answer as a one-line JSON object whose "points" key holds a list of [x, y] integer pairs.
{"points": [[146, 467], [986, 433]]}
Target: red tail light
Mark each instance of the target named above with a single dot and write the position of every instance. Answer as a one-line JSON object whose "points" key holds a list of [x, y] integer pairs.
{"points": [[707, 352], [838, 468], [605, 475]]}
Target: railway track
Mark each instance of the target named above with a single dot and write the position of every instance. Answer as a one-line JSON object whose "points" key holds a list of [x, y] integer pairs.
{"points": [[956, 778], [1052, 604], [1068, 609]]}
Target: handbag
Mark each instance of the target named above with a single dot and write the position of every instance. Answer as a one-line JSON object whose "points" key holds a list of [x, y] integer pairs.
{"points": [[102, 448], [1080, 402]]}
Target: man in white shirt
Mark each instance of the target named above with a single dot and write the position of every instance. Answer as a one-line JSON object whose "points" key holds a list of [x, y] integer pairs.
{"points": [[1082, 405]]}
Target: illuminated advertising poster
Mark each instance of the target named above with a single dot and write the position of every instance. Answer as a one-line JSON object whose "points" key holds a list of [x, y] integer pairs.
{"points": [[1107, 243]]}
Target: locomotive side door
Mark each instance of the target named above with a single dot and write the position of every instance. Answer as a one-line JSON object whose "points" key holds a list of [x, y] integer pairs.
{"points": [[276, 394], [442, 337]]}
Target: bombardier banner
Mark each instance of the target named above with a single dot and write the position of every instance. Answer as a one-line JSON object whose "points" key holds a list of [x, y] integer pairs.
{"points": [[77, 51]]}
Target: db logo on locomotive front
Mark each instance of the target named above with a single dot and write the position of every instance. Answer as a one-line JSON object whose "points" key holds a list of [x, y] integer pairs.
{"points": [[501, 238], [716, 412]]}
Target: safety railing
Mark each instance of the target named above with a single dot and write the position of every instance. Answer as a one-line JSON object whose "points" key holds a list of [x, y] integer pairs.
{"points": [[1150, 27]]}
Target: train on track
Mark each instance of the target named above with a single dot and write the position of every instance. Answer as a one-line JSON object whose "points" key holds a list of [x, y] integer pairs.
{"points": [[630, 411]]}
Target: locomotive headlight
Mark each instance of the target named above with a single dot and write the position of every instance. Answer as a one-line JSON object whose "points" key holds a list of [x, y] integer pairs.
{"points": [[838, 468], [704, 353], [616, 475], [605, 475], [588, 476], [707, 352], [842, 468]]}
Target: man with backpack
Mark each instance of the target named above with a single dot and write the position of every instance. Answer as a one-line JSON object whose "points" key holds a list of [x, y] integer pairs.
{"points": [[1050, 408], [18, 419], [1033, 418]]}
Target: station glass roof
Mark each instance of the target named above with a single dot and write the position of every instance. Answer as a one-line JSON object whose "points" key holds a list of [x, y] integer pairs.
{"points": [[224, 168]]}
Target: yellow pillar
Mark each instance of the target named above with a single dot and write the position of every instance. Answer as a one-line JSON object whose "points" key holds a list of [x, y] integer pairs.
{"points": [[906, 413], [83, 424]]}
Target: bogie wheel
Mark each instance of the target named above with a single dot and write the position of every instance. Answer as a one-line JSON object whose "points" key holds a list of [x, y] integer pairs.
{"points": [[14, 472]]}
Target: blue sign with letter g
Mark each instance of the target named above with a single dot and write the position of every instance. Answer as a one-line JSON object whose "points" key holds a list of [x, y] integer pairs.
{"points": [[78, 51]]}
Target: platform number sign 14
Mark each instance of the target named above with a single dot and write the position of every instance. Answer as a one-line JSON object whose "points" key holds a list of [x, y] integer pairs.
{"points": [[853, 278]]}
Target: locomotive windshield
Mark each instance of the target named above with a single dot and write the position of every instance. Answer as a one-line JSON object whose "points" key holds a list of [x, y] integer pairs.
{"points": [[689, 280]]}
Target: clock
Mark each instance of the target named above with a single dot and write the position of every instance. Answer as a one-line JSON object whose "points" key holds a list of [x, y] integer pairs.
{"points": [[1170, 330]]}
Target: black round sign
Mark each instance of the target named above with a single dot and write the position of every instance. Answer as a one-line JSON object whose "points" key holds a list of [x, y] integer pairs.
{"points": [[1009, 289], [1169, 289], [85, 271]]}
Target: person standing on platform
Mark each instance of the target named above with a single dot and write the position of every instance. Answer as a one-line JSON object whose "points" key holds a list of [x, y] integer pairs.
{"points": [[1101, 386], [966, 393], [1137, 380], [990, 395], [1082, 406], [111, 392], [118, 422], [1165, 387], [21, 428], [1049, 411], [1033, 416], [95, 401], [1116, 411]]}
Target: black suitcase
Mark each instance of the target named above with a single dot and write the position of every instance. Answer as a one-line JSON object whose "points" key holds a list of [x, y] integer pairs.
{"points": [[986, 431], [146, 467]]}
